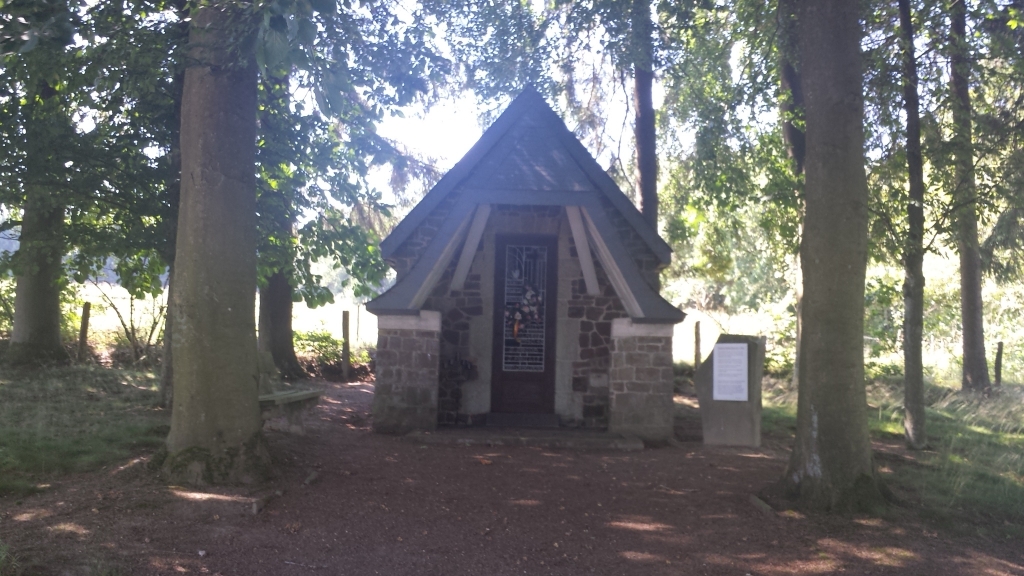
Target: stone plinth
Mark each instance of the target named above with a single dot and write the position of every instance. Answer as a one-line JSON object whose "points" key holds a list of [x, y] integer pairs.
{"points": [[408, 356], [640, 380], [732, 423]]}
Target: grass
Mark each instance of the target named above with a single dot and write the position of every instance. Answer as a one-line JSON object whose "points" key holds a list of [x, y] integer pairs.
{"points": [[63, 420], [975, 465], [974, 469], [8, 562]]}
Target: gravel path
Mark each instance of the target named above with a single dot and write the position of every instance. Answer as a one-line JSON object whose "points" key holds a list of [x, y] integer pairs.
{"points": [[355, 503]]}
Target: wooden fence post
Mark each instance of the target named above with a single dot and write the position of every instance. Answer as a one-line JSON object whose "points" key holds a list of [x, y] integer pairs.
{"points": [[999, 364], [696, 345], [83, 332], [346, 357]]}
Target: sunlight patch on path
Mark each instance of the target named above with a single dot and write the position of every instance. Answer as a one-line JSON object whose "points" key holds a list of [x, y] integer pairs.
{"points": [[641, 556], [32, 514], [69, 528], [204, 496], [881, 556], [641, 526]]}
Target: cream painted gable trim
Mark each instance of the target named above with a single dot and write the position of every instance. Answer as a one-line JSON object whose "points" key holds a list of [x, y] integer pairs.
{"points": [[476, 231], [612, 269], [439, 265], [579, 235]]}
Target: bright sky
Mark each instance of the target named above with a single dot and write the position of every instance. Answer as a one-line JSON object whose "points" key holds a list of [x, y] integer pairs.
{"points": [[445, 133]]}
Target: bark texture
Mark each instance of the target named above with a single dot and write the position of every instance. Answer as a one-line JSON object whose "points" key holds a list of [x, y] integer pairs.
{"points": [[913, 251], [35, 337], [215, 421], [831, 466], [276, 335], [965, 198], [643, 101]]}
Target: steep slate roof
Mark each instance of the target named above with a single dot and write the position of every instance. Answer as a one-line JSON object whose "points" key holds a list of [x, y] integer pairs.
{"points": [[527, 156]]}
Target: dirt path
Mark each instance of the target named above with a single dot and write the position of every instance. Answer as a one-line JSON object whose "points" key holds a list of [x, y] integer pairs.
{"points": [[379, 505]]}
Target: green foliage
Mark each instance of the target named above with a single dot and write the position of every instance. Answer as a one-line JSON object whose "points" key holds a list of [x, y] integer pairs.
{"points": [[359, 64], [883, 313], [305, 168], [104, 114], [320, 345], [118, 78], [7, 286], [57, 421], [781, 342], [731, 203]]}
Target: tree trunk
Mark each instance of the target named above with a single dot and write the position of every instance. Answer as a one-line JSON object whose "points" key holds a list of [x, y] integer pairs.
{"points": [[643, 100], [831, 466], [215, 421], [276, 334], [913, 252], [35, 337], [965, 199]]}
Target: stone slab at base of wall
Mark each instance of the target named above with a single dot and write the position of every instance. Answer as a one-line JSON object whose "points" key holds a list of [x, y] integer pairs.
{"points": [[408, 363], [640, 380], [732, 423]]}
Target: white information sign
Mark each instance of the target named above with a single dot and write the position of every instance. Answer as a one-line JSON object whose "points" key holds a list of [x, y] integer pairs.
{"points": [[730, 373]]}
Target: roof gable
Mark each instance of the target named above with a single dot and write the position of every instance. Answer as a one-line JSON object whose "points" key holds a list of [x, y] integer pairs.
{"points": [[529, 157], [528, 148]]}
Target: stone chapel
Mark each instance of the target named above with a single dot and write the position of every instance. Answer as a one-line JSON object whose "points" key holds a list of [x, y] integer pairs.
{"points": [[527, 294]]}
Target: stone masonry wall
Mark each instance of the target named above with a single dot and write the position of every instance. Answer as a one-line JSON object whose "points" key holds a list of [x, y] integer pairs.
{"points": [[593, 361], [457, 308], [405, 394], [640, 387], [644, 258]]}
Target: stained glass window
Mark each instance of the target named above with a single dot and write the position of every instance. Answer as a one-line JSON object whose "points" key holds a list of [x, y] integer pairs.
{"points": [[525, 298]]}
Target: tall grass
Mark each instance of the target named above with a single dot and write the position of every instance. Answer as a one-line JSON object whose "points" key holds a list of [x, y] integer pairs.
{"points": [[56, 421], [975, 464], [974, 467], [8, 562]]}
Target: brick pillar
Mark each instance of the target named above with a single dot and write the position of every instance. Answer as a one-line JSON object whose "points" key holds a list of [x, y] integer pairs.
{"points": [[640, 381], [408, 359]]}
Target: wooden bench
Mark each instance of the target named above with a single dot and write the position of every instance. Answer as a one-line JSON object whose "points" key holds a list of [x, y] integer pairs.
{"points": [[291, 405]]}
